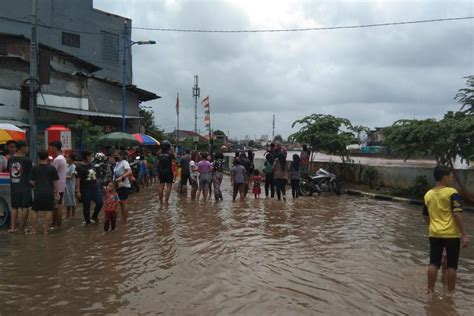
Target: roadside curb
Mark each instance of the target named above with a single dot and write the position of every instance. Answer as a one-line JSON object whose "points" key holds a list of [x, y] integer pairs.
{"points": [[392, 198]]}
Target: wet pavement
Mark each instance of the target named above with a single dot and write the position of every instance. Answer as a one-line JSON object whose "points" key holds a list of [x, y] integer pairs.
{"points": [[319, 255]]}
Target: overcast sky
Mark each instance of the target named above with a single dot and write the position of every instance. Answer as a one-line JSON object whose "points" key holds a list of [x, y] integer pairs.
{"points": [[372, 76]]}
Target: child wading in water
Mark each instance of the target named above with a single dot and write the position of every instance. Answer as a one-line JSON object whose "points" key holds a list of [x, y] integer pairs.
{"points": [[111, 201], [443, 214], [217, 177], [257, 180], [69, 196], [44, 179]]}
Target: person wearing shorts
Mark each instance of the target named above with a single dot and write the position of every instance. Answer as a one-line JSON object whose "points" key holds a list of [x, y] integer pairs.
{"points": [[45, 181], [87, 188], [194, 174], [122, 174], [205, 176], [165, 171], [443, 214], [19, 167], [60, 164], [238, 179]]}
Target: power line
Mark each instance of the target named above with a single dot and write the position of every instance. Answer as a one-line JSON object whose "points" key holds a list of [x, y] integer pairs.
{"points": [[303, 29], [309, 29]]}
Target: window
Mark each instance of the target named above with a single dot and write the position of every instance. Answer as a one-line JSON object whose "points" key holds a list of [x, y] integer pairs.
{"points": [[3, 47], [70, 39], [110, 48]]}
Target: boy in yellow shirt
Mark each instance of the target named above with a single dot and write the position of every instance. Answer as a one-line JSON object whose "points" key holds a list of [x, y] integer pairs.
{"points": [[443, 214]]}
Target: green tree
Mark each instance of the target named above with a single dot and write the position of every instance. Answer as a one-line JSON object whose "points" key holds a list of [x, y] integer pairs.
{"points": [[252, 143], [358, 130], [465, 96], [445, 140], [148, 121], [85, 134], [278, 138], [325, 133], [218, 133], [202, 146]]}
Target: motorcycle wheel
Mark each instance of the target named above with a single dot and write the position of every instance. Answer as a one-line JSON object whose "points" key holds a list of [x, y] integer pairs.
{"points": [[304, 189], [336, 188], [5, 218]]}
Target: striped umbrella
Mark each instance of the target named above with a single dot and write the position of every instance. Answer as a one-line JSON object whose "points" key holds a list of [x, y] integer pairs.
{"points": [[146, 140], [11, 132]]}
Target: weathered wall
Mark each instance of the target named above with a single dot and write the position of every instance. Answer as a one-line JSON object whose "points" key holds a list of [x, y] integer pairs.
{"points": [[76, 16], [108, 98]]}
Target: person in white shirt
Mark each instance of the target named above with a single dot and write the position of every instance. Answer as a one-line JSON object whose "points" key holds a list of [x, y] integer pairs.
{"points": [[60, 164], [193, 170], [122, 174]]}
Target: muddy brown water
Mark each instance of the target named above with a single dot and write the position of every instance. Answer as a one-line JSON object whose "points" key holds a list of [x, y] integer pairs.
{"points": [[320, 255]]}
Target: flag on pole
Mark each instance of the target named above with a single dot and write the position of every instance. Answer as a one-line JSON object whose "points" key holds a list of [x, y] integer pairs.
{"points": [[207, 114], [177, 103]]}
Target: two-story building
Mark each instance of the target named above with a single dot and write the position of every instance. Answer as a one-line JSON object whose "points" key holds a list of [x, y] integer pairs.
{"points": [[80, 65]]}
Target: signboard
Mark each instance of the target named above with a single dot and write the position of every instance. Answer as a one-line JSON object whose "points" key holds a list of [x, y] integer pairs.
{"points": [[65, 137]]}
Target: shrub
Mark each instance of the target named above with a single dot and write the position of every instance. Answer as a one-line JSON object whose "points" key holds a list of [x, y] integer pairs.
{"points": [[370, 176]]}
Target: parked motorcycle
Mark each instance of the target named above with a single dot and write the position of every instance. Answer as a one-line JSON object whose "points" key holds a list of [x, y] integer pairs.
{"points": [[323, 181], [103, 169], [135, 166]]}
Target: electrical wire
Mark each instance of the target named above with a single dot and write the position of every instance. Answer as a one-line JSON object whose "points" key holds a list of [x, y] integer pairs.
{"points": [[304, 29], [309, 29]]}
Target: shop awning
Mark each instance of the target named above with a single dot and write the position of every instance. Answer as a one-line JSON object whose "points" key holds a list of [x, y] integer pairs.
{"points": [[14, 122], [85, 113]]}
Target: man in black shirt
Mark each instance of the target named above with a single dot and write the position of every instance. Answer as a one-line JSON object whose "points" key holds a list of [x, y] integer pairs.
{"points": [[165, 171], [87, 189], [185, 172], [19, 167], [44, 178]]}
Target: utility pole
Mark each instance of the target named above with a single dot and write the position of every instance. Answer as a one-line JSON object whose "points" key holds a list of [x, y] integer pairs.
{"points": [[33, 80], [177, 117], [124, 74], [196, 94], [273, 132]]}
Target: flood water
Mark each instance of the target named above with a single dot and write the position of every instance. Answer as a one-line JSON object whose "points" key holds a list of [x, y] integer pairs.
{"points": [[319, 255]]}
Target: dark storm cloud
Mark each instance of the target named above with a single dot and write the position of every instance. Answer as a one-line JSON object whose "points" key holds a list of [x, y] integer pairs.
{"points": [[372, 76]]}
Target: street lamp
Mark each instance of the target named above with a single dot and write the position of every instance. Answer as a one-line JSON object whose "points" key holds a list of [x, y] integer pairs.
{"points": [[124, 71]]}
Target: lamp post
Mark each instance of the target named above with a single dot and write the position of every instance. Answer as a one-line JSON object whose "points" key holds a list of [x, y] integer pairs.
{"points": [[126, 46]]}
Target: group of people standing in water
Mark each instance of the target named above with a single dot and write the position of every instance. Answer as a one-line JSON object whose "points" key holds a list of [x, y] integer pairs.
{"points": [[60, 180]]}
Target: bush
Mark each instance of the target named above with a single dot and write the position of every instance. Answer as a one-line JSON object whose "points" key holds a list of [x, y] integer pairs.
{"points": [[370, 176], [418, 190]]}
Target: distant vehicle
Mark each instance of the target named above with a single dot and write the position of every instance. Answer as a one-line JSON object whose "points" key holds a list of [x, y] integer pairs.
{"points": [[372, 149]]}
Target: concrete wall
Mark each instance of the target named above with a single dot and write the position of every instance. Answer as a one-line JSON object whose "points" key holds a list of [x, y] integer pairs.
{"points": [[80, 18], [13, 73], [388, 176]]}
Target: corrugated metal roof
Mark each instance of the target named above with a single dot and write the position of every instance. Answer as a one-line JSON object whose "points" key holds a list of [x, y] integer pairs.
{"points": [[85, 113], [143, 95]]}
